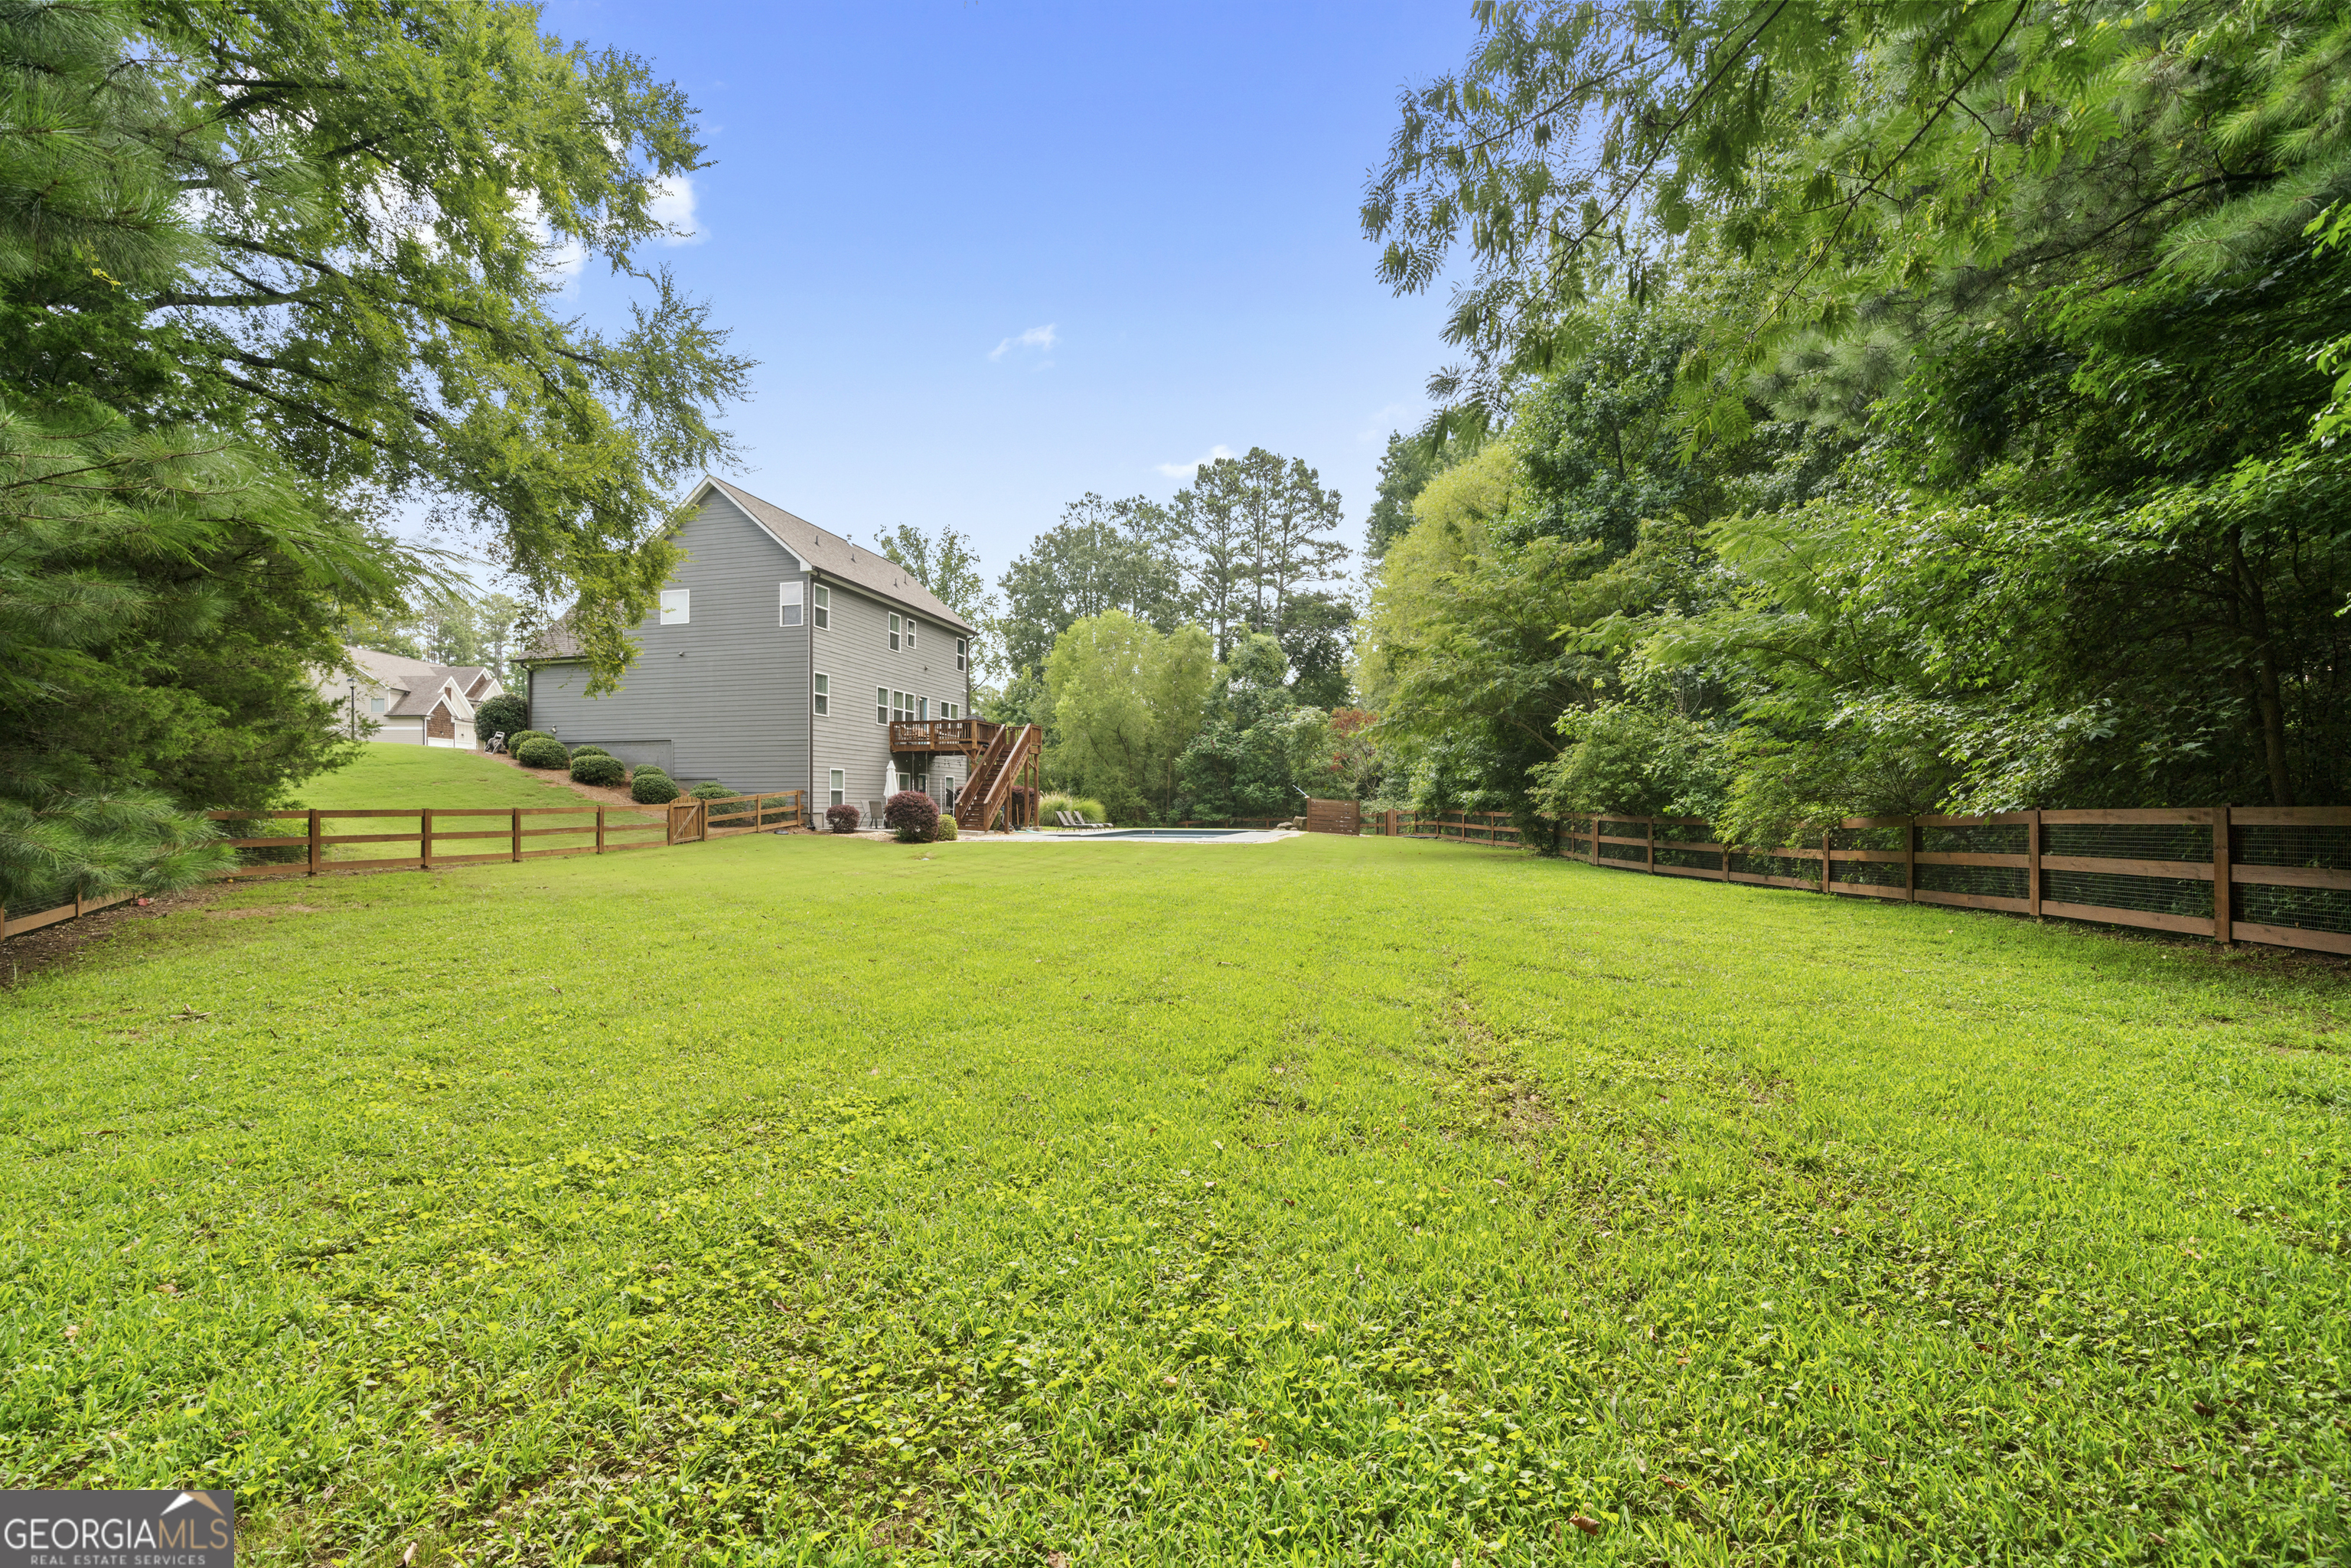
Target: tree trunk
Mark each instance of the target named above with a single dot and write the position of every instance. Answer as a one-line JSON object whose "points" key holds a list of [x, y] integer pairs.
{"points": [[2269, 701]]}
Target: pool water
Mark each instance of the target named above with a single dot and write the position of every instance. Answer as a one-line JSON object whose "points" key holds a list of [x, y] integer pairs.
{"points": [[1172, 833]]}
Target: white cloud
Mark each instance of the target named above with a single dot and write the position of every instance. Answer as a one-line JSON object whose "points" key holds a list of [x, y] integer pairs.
{"points": [[1187, 470], [559, 259], [1382, 422], [1041, 337], [672, 204]]}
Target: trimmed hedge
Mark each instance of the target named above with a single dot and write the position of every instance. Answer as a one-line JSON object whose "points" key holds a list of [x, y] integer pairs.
{"points": [[712, 789], [538, 751], [580, 751], [841, 819], [651, 786], [599, 768], [947, 829], [913, 816], [505, 714]]}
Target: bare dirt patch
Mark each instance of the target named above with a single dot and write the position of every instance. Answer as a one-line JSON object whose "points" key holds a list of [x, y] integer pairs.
{"points": [[53, 944]]}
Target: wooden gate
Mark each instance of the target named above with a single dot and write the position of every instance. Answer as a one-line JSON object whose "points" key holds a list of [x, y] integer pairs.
{"points": [[688, 822], [1334, 817]]}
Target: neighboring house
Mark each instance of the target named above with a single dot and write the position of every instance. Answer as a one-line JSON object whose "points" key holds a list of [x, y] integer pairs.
{"points": [[409, 700], [779, 658]]}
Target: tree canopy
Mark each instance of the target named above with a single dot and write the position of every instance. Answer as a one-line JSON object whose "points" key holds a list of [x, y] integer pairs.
{"points": [[1893, 407]]}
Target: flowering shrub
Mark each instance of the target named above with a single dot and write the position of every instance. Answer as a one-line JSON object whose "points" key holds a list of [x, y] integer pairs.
{"points": [[841, 819], [913, 816]]}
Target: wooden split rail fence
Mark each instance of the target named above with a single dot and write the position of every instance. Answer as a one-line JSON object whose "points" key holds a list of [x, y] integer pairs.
{"points": [[315, 850], [2277, 875]]}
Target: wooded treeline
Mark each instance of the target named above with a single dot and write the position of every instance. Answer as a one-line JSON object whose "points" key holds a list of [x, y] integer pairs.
{"points": [[1186, 658], [1873, 408]]}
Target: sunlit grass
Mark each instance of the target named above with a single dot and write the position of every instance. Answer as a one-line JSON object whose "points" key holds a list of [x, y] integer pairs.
{"points": [[813, 1199], [390, 775]]}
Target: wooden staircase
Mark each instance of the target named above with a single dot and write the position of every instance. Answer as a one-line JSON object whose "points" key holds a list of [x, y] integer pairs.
{"points": [[1012, 757]]}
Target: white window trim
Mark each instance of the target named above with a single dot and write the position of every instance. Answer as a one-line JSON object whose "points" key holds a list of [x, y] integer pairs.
{"points": [[963, 652], [676, 606], [910, 633], [789, 603], [821, 601], [895, 621], [881, 704], [836, 787], [821, 695]]}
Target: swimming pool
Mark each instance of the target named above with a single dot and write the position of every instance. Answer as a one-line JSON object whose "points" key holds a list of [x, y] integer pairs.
{"points": [[1174, 833]]}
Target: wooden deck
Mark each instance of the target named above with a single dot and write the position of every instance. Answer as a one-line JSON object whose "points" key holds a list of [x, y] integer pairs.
{"points": [[965, 736]]}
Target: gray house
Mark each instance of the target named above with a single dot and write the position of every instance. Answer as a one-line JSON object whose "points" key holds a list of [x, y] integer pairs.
{"points": [[781, 658]]}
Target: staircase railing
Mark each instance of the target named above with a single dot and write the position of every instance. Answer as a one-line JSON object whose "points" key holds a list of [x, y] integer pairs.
{"points": [[999, 768]]}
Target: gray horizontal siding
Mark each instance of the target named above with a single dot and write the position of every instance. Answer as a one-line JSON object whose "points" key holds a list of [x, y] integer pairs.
{"points": [[727, 693], [855, 651]]}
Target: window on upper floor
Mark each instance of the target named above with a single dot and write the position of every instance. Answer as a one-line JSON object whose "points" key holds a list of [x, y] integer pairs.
{"points": [[788, 602], [893, 633], [823, 696], [675, 603], [881, 704], [375, 704], [910, 633], [823, 606]]}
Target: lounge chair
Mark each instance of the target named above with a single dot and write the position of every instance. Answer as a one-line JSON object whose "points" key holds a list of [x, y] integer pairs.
{"points": [[1083, 824], [1068, 820]]}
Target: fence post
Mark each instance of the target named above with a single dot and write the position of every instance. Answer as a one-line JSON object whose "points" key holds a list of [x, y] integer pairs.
{"points": [[2223, 893], [1595, 838], [1911, 859], [315, 845], [599, 830], [2032, 862], [424, 839], [518, 832], [1649, 831], [1825, 834]]}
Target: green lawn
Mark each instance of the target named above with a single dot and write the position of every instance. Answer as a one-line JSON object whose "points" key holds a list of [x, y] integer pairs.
{"points": [[805, 1199], [389, 775]]}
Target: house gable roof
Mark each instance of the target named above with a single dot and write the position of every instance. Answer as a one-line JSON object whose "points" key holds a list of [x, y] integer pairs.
{"points": [[831, 556], [814, 549]]}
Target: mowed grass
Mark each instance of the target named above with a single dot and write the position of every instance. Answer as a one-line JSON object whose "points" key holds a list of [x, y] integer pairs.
{"points": [[818, 1201], [390, 775]]}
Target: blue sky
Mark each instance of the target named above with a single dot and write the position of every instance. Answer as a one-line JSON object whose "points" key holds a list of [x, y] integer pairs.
{"points": [[992, 255]]}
